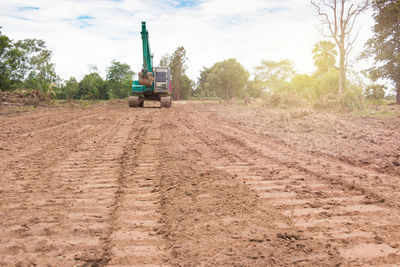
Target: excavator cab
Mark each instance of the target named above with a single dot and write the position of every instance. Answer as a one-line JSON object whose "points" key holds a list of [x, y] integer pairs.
{"points": [[162, 82]]}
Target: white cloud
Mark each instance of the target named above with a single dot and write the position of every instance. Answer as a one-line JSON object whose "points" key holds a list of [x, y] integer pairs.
{"points": [[210, 31]]}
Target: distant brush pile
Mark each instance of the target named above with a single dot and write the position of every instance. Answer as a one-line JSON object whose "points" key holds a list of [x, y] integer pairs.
{"points": [[24, 97]]}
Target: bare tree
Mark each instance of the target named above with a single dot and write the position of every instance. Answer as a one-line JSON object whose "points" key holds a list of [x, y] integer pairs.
{"points": [[340, 16]]}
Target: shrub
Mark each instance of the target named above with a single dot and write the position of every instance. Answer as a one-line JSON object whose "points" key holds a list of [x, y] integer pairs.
{"points": [[375, 91], [305, 86], [283, 99], [352, 99], [329, 83]]}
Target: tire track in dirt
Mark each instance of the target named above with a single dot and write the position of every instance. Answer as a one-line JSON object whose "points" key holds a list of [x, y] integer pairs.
{"points": [[209, 217], [31, 157], [45, 138], [379, 186], [25, 128], [353, 171], [61, 218], [135, 218], [35, 118], [354, 231], [382, 179]]}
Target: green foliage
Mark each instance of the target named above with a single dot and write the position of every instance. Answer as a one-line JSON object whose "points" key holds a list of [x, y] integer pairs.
{"points": [[182, 86], [186, 87], [305, 86], [283, 98], [119, 80], [91, 87], [69, 90], [226, 79], [119, 72], [5, 45], [274, 73], [375, 91], [25, 63], [104, 93], [328, 83], [254, 88], [383, 47], [202, 90], [119, 90], [352, 98], [41, 72], [324, 55], [177, 64]]}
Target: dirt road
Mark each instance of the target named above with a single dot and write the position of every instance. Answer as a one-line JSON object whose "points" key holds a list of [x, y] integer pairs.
{"points": [[198, 183]]}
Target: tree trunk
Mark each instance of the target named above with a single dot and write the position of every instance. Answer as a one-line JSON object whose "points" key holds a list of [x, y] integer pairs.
{"points": [[398, 96], [176, 89], [342, 71]]}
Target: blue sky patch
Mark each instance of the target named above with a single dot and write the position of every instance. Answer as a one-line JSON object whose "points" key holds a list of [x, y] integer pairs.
{"points": [[80, 21], [185, 3], [275, 9], [85, 17], [84, 21], [25, 8]]}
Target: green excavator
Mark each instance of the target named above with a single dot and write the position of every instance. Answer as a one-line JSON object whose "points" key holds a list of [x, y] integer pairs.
{"points": [[154, 82]]}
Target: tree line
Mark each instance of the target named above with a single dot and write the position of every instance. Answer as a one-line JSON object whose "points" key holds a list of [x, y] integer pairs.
{"points": [[118, 84], [27, 64]]}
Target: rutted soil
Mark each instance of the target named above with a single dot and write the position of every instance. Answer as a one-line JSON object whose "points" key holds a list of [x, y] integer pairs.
{"points": [[198, 184]]}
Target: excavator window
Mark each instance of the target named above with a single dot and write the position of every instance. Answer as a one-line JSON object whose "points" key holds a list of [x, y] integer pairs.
{"points": [[161, 76]]}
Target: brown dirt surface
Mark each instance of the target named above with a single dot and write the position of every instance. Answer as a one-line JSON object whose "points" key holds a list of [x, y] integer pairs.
{"points": [[198, 184]]}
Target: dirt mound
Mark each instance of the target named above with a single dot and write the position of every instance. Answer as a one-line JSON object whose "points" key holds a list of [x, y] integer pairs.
{"points": [[23, 97]]}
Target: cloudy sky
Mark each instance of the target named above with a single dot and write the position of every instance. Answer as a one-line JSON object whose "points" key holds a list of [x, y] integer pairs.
{"points": [[94, 32]]}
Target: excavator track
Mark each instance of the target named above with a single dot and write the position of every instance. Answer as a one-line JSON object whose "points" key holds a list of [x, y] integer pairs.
{"points": [[135, 101], [166, 101]]}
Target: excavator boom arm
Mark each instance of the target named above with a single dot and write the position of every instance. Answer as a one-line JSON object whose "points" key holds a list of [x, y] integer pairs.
{"points": [[147, 56]]}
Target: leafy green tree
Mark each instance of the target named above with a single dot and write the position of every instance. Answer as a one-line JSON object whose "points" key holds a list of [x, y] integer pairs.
{"points": [[25, 63], [274, 74], [32, 64], [328, 83], [201, 89], [17, 65], [13, 65], [228, 78], [119, 79], [384, 46], [104, 93], [254, 88], [186, 87], [119, 72], [305, 86], [375, 91], [5, 45], [90, 87], [178, 67], [69, 90], [324, 55]]}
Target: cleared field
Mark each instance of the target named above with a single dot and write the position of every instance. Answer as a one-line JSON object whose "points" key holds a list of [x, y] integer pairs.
{"points": [[198, 184]]}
